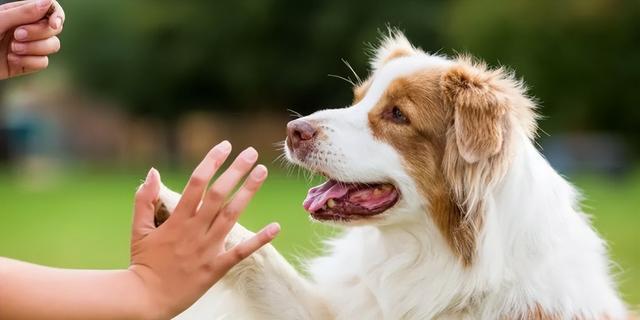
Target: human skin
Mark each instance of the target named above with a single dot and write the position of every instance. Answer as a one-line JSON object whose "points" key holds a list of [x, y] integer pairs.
{"points": [[28, 35], [171, 265]]}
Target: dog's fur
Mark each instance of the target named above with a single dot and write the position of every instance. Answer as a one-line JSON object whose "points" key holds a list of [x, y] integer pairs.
{"points": [[484, 228]]}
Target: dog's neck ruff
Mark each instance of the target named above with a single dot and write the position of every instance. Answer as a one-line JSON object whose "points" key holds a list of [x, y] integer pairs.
{"points": [[536, 253]]}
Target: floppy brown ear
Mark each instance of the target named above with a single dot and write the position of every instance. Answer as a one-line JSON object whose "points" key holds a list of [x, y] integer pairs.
{"points": [[479, 109]]}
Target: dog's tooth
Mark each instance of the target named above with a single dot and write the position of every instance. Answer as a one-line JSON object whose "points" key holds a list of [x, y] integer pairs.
{"points": [[331, 203], [386, 188], [377, 192]]}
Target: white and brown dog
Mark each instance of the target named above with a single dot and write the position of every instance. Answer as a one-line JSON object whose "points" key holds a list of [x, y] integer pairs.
{"points": [[450, 211]]}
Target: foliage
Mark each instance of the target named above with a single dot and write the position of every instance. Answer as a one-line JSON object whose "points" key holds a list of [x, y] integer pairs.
{"points": [[163, 57], [580, 57]]}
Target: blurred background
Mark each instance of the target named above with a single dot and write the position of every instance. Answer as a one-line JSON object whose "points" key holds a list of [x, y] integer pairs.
{"points": [[157, 83]]}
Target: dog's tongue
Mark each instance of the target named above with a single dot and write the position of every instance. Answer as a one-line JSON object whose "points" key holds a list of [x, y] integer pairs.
{"points": [[318, 196]]}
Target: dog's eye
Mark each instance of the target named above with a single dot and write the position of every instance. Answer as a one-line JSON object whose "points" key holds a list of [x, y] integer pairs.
{"points": [[397, 116]]}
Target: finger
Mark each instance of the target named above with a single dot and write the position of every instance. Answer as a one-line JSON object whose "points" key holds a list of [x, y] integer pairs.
{"points": [[144, 207], [11, 5], [35, 31], [229, 215], [26, 64], [24, 14], [248, 247], [36, 48], [215, 197], [56, 20], [192, 194]]}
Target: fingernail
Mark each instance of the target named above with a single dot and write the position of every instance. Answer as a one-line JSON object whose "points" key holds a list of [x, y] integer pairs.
{"points": [[273, 229], [151, 175], [18, 47], [250, 154], [224, 146], [43, 3], [259, 172], [20, 34]]}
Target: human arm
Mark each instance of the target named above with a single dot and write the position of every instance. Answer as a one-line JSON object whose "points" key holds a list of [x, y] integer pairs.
{"points": [[171, 266]]}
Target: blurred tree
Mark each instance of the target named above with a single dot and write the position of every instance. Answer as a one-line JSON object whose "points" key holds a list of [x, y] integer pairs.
{"points": [[164, 58], [580, 57]]}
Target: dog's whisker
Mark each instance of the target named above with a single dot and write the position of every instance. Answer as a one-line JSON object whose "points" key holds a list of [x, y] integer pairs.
{"points": [[295, 113], [279, 159], [352, 70], [343, 78]]}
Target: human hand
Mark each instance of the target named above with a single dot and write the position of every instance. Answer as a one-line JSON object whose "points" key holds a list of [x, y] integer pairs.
{"points": [[181, 259], [28, 36]]}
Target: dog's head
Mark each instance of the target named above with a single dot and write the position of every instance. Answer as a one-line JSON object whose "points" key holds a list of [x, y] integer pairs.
{"points": [[425, 138]]}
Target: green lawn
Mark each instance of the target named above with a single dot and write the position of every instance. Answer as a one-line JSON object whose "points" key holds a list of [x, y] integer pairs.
{"points": [[82, 220]]}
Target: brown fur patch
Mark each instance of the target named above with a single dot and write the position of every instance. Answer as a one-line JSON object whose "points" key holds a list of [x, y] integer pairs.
{"points": [[456, 141], [538, 313], [360, 91], [488, 105], [479, 112], [422, 144], [396, 53], [161, 214]]}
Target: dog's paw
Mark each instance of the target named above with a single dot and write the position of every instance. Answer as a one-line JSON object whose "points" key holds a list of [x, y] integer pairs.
{"points": [[165, 204], [161, 213], [237, 235]]}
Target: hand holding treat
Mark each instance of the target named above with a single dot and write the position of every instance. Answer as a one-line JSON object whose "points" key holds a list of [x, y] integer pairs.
{"points": [[28, 35]]}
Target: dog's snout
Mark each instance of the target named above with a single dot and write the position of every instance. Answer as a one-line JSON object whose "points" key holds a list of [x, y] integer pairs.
{"points": [[300, 132]]}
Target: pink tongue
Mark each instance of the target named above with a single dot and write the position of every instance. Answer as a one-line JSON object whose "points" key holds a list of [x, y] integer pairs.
{"points": [[318, 196], [367, 199]]}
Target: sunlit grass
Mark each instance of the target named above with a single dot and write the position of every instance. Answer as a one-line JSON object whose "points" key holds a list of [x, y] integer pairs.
{"points": [[82, 219]]}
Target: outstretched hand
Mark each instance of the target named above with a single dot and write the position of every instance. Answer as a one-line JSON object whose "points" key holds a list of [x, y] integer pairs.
{"points": [[186, 254], [28, 35], [171, 266]]}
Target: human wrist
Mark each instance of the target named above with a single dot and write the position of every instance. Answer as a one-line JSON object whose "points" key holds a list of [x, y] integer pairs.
{"points": [[150, 304]]}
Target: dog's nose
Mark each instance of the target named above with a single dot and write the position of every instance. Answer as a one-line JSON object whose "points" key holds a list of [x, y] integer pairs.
{"points": [[300, 131]]}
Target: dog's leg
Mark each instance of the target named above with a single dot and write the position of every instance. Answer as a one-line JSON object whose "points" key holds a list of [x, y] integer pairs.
{"points": [[269, 287]]}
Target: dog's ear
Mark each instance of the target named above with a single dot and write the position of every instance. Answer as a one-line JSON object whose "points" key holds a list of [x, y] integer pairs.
{"points": [[392, 45], [475, 98], [485, 106], [479, 105]]}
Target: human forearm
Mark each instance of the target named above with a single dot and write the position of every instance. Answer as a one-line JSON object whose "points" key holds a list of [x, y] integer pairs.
{"points": [[171, 266], [29, 291]]}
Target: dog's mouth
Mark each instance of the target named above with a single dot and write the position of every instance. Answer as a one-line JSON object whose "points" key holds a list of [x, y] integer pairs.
{"points": [[342, 201]]}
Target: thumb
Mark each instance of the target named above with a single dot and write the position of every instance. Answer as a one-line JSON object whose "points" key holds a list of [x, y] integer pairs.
{"points": [[28, 13], [144, 207]]}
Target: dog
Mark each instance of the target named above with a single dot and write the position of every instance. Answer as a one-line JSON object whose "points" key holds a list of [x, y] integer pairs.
{"points": [[449, 210]]}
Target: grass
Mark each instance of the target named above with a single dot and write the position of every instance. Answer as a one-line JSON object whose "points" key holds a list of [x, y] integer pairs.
{"points": [[82, 219]]}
